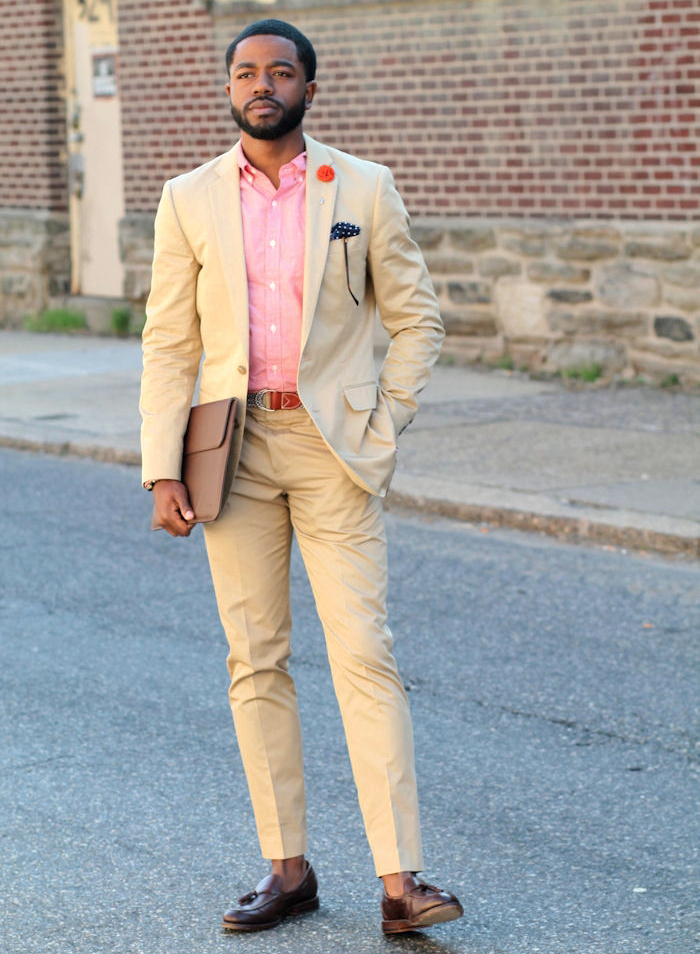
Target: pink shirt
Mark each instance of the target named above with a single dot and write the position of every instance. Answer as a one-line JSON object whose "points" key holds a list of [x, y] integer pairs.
{"points": [[274, 225]]}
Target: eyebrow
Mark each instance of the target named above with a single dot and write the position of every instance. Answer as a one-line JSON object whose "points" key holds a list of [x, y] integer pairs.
{"points": [[251, 65]]}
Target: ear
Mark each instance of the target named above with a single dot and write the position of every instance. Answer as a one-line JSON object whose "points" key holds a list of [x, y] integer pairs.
{"points": [[310, 93]]}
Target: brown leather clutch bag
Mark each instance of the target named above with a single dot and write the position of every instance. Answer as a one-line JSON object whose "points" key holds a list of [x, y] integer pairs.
{"points": [[206, 459]]}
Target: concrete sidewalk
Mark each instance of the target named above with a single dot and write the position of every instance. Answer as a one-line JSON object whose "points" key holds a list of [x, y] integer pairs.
{"points": [[620, 466]]}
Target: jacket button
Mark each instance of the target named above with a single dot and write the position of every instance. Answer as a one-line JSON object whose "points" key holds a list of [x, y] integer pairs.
{"points": [[242, 369]]}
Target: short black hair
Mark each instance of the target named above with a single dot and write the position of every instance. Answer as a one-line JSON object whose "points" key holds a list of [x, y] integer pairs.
{"points": [[305, 51]]}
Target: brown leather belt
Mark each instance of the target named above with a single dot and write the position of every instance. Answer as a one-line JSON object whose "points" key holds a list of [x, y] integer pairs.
{"points": [[274, 400]]}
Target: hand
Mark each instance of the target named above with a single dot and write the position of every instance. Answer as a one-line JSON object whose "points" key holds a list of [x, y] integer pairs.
{"points": [[173, 507]]}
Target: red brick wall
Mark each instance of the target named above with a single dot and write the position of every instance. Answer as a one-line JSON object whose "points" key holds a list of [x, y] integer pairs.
{"points": [[174, 112], [490, 107], [576, 107], [486, 107], [32, 116]]}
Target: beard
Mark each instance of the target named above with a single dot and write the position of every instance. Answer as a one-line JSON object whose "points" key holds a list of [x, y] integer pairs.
{"points": [[291, 118]]}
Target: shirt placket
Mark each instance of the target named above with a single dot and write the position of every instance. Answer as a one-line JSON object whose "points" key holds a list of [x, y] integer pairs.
{"points": [[273, 311]]}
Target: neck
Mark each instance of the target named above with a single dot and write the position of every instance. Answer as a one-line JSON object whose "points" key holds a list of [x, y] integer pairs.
{"points": [[269, 155]]}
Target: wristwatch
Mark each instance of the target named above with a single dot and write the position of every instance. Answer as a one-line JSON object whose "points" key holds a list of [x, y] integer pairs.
{"points": [[149, 484]]}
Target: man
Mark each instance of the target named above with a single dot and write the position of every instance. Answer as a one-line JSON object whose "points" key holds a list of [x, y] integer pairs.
{"points": [[272, 260]]}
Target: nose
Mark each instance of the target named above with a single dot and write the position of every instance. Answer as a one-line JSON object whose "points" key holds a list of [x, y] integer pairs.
{"points": [[263, 85]]}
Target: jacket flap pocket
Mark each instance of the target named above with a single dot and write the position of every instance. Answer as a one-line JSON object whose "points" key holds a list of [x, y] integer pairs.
{"points": [[207, 426], [361, 397]]}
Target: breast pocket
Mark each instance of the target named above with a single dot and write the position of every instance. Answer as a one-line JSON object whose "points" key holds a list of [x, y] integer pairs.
{"points": [[356, 271]]}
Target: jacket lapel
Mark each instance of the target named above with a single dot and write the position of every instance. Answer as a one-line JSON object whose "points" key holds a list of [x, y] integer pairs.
{"points": [[320, 203], [225, 202]]}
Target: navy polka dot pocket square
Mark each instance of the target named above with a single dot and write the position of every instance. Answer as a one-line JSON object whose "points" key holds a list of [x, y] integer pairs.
{"points": [[343, 230]]}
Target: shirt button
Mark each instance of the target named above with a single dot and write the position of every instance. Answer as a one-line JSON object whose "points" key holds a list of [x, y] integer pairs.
{"points": [[274, 203], [242, 369], [273, 286], [272, 243], [273, 328], [274, 367]]}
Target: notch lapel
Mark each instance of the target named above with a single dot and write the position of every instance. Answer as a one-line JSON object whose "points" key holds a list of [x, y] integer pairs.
{"points": [[225, 202], [320, 204]]}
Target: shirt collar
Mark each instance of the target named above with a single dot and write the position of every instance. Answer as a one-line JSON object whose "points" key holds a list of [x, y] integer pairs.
{"points": [[297, 164]]}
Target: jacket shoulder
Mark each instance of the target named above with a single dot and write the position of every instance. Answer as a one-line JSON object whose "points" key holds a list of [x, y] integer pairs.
{"points": [[202, 175], [345, 160], [364, 165]]}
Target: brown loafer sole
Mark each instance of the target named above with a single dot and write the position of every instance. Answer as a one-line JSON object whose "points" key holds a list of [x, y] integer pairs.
{"points": [[301, 908], [437, 915]]}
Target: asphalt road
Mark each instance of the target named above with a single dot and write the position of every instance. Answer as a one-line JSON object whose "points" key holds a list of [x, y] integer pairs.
{"points": [[555, 699]]}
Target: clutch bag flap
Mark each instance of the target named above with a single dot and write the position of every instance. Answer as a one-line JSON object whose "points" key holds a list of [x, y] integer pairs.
{"points": [[206, 453]]}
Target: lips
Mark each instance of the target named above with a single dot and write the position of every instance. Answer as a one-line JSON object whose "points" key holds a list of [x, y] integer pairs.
{"points": [[262, 107]]}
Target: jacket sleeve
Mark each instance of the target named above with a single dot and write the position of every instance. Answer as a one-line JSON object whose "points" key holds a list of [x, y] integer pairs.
{"points": [[172, 346], [406, 301]]}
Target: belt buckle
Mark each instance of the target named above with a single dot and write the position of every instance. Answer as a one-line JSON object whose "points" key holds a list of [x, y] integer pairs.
{"points": [[259, 400], [289, 400]]}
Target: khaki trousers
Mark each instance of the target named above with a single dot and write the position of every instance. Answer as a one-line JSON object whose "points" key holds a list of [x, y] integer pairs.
{"points": [[289, 481]]}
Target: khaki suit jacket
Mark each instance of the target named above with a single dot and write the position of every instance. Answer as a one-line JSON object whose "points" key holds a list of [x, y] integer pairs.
{"points": [[198, 306]]}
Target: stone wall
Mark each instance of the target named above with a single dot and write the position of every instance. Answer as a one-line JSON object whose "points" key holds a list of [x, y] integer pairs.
{"points": [[34, 261], [549, 295], [136, 251], [565, 295], [34, 237]]}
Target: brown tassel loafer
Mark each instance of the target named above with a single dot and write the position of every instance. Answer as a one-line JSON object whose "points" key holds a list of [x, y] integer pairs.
{"points": [[419, 907], [268, 904]]}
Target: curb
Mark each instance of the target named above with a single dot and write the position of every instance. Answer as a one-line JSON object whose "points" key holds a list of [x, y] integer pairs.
{"points": [[106, 455], [570, 529]]}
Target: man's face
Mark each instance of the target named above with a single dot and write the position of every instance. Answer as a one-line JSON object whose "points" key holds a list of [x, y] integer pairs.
{"points": [[268, 89]]}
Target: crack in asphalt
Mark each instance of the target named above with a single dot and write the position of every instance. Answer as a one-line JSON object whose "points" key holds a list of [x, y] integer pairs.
{"points": [[581, 727]]}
